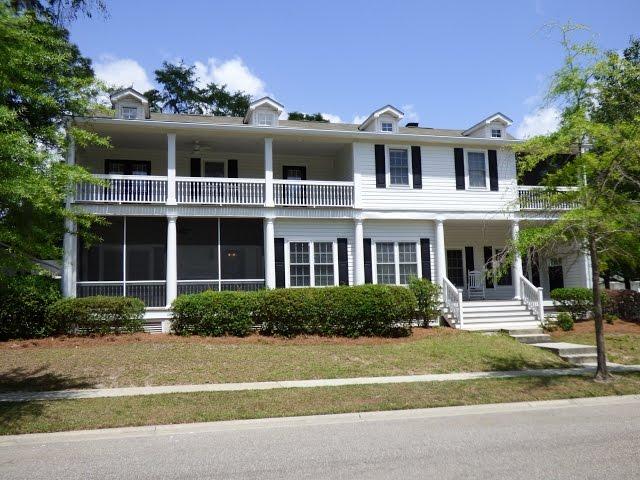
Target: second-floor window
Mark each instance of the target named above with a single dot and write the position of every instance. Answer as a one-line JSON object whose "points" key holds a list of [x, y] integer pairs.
{"points": [[129, 113], [496, 133], [386, 127], [477, 169], [398, 166]]}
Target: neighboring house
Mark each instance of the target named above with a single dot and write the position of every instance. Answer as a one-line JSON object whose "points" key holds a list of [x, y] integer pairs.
{"points": [[228, 203]]}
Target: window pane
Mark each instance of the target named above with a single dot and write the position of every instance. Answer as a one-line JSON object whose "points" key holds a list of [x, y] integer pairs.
{"points": [[323, 252], [103, 260], [387, 127], [300, 269], [399, 166], [299, 252], [323, 275], [477, 173], [407, 270], [197, 248], [323, 263], [496, 133], [300, 276], [241, 248], [386, 266], [146, 248], [408, 260]]}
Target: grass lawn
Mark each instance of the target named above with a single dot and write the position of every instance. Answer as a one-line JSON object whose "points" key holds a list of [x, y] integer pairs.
{"points": [[144, 359], [202, 407], [622, 339]]}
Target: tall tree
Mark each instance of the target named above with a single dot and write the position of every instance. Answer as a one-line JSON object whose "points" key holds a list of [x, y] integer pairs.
{"points": [[44, 80], [606, 159], [314, 117], [59, 12]]}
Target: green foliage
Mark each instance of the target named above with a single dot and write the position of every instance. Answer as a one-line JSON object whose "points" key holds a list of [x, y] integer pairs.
{"points": [[24, 301], [180, 94], [314, 117], [59, 12], [97, 315], [43, 81], [214, 313], [577, 302], [364, 310], [623, 304], [565, 321], [427, 296]]}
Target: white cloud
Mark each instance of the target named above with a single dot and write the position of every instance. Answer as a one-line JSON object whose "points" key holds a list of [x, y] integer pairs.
{"points": [[232, 73], [410, 114], [122, 72], [332, 118], [359, 119], [541, 121]]}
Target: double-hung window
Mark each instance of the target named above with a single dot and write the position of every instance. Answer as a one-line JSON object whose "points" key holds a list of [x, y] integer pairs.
{"points": [[477, 170], [496, 133], [385, 263], [398, 166], [408, 261], [129, 113], [396, 262], [311, 264], [386, 127], [264, 119]]}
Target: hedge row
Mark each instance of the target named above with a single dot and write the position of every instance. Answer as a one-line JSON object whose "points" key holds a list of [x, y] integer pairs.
{"points": [[578, 302], [624, 304], [365, 310]]}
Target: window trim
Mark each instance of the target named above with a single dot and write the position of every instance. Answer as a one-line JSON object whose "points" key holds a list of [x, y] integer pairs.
{"points": [[387, 166], [396, 257], [499, 130], [386, 119], [266, 114], [312, 277], [486, 169]]}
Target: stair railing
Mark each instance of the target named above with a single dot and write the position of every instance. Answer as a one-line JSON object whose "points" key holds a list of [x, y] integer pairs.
{"points": [[452, 299], [532, 297]]}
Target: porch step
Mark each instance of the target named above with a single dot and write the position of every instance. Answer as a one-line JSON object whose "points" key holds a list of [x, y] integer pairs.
{"points": [[496, 308], [494, 327], [497, 314], [523, 317], [490, 303]]}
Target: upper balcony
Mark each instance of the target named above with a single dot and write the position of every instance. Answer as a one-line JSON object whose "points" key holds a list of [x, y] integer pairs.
{"points": [[209, 169], [533, 198]]}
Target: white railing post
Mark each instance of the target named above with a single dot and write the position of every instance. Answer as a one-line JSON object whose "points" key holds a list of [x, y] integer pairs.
{"points": [[171, 169], [540, 306], [268, 172], [460, 314], [172, 260]]}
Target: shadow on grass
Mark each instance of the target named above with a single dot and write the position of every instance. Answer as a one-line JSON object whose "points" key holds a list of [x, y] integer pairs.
{"points": [[519, 362], [39, 379]]}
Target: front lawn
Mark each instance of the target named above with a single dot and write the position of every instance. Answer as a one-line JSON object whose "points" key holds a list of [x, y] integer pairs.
{"points": [[622, 339], [144, 359], [205, 407]]}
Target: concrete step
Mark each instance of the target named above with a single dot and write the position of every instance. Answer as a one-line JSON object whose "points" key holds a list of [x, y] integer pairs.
{"points": [[530, 338], [532, 331], [564, 348], [581, 358]]}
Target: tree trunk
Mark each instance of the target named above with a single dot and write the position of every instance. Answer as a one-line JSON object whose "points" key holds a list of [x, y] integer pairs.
{"points": [[602, 372], [627, 283], [607, 279]]}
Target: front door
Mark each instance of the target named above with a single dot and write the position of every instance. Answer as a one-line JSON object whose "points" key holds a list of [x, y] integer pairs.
{"points": [[455, 268], [556, 275], [214, 169]]}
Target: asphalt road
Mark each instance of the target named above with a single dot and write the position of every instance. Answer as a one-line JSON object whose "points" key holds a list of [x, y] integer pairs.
{"points": [[561, 440]]}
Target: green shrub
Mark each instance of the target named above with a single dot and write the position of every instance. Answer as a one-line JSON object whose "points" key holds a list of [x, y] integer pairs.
{"points": [[565, 321], [364, 310], [427, 296], [24, 300], [577, 302], [623, 304], [97, 315], [214, 313]]}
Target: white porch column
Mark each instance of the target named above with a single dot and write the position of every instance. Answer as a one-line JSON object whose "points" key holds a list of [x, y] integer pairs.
{"points": [[269, 253], [171, 169], [70, 240], [268, 173], [358, 253], [516, 267], [172, 259], [441, 257]]}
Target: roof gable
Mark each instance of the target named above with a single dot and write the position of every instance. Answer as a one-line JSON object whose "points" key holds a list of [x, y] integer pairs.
{"points": [[261, 103], [496, 117], [130, 93], [387, 109]]}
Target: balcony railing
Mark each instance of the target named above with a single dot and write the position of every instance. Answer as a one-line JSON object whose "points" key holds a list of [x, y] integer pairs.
{"points": [[152, 292], [541, 198], [197, 286], [302, 193], [220, 191], [124, 189]]}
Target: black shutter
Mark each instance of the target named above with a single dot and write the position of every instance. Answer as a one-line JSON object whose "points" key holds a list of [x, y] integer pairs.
{"points": [[368, 271], [232, 168], [468, 257], [279, 258], [381, 180], [458, 155], [416, 166], [488, 254], [425, 254], [195, 167], [343, 262], [493, 170]]}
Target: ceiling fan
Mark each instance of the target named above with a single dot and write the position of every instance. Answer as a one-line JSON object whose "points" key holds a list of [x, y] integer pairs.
{"points": [[197, 148]]}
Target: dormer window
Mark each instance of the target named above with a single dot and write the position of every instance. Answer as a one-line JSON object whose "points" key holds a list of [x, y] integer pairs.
{"points": [[129, 113], [386, 127], [264, 119], [496, 133]]}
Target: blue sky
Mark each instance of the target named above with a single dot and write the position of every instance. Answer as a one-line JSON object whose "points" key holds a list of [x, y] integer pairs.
{"points": [[445, 63]]}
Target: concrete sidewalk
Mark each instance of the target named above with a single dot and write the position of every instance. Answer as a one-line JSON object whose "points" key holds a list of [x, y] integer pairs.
{"points": [[331, 382]]}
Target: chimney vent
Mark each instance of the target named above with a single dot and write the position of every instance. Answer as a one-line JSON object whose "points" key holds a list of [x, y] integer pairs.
{"points": [[412, 125]]}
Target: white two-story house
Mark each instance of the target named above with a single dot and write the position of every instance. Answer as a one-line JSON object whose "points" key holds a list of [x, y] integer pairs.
{"points": [[243, 203]]}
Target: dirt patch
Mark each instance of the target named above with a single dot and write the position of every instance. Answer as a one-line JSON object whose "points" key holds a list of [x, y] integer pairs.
{"points": [[255, 338], [618, 326]]}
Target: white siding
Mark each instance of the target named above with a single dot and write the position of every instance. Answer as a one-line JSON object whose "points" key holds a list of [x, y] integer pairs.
{"points": [[438, 191], [318, 230]]}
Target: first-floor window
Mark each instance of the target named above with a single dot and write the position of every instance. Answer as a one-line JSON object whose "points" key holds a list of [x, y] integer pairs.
{"points": [[385, 263], [300, 264], [323, 264], [396, 262], [408, 261]]}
